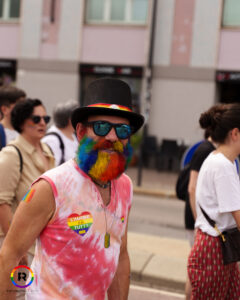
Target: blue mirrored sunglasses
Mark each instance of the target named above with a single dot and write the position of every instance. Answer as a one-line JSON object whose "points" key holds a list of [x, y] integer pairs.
{"points": [[102, 128]]}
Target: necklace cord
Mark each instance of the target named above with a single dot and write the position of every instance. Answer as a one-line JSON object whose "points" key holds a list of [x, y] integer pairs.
{"points": [[107, 234]]}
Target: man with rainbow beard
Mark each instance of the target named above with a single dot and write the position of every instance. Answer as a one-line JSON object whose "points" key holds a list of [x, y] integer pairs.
{"points": [[78, 212]]}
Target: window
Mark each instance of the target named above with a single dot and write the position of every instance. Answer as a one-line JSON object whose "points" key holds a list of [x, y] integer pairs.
{"points": [[117, 11], [231, 13], [9, 9]]}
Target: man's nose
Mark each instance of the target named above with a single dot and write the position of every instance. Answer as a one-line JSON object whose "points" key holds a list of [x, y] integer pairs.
{"points": [[111, 136]]}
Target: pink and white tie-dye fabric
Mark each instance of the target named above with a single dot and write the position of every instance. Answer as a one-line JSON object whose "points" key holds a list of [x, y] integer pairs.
{"points": [[70, 260]]}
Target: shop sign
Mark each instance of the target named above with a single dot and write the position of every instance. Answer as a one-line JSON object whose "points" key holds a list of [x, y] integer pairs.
{"points": [[111, 70], [227, 76]]}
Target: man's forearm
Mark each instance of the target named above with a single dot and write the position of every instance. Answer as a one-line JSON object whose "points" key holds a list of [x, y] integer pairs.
{"points": [[120, 285], [7, 287]]}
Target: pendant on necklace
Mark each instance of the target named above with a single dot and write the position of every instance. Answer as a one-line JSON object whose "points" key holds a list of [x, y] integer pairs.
{"points": [[107, 240]]}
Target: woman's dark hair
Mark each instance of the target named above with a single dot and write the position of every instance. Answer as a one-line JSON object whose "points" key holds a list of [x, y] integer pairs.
{"points": [[22, 111], [10, 95], [220, 119]]}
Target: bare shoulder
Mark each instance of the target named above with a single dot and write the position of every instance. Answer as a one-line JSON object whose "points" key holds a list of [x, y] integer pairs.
{"points": [[39, 198], [42, 186]]}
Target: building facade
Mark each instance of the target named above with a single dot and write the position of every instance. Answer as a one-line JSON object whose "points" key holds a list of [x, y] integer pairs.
{"points": [[54, 48]]}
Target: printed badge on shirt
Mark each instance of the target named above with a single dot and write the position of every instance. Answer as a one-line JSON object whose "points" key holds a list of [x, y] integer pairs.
{"points": [[80, 223]]}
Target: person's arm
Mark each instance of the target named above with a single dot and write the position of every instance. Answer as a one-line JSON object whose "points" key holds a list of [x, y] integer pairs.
{"points": [[236, 215], [119, 287], [5, 217], [192, 190], [29, 220], [9, 178]]}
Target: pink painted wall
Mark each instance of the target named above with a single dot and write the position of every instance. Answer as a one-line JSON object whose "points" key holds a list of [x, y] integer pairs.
{"points": [[114, 45], [182, 32], [49, 45], [10, 38], [229, 50]]}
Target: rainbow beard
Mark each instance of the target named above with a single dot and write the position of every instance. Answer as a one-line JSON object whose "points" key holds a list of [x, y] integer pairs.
{"points": [[99, 163]]}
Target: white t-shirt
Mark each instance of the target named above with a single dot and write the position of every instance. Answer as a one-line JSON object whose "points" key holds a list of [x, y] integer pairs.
{"points": [[218, 193], [70, 146], [10, 135]]}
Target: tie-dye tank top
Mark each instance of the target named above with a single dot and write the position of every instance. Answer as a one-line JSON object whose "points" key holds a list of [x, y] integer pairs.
{"points": [[70, 260]]}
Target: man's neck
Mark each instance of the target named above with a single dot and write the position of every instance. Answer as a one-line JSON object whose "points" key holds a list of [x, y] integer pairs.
{"points": [[7, 124], [105, 194], [68, 132]]}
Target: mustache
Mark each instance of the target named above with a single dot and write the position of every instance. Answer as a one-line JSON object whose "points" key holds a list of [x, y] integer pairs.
{"points": [[87, 145], [103, 144]]}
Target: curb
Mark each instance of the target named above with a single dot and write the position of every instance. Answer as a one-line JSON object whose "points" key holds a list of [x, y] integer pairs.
{"points": [[158, 283], [152, 192]]}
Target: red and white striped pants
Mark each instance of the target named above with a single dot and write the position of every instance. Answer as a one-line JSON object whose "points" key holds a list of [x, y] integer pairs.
{"points": [[209, 277]]}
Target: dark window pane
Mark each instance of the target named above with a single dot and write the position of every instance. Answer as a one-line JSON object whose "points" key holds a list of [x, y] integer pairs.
{"points": [[14, 9], [1, 8]]}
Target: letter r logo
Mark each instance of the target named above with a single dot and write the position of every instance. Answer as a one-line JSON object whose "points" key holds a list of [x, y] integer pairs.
{"points": [[22, 275]]}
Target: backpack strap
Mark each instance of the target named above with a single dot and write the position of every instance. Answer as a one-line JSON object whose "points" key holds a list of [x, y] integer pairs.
{"points": [[2, 137], [20, 156], [62, 160]]}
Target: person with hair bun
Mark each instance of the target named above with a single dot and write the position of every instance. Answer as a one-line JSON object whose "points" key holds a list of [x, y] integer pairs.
{"points": [[218, 194]]}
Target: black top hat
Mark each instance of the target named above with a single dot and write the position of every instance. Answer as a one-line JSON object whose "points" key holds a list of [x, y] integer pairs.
{"points": [[108, 96]]}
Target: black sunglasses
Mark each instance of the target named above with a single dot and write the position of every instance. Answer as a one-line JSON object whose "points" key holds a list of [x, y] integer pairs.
{"points": [[102, 128], [36, 119]]}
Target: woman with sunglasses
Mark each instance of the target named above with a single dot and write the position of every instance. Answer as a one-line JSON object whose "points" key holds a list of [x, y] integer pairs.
{"points": [[30, 120]]}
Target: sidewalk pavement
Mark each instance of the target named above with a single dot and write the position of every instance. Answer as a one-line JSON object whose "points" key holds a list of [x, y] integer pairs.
{"points": [[156, 261]]}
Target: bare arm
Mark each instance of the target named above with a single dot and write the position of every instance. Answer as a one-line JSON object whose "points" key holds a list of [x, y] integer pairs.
{"points": [[5, 217], [236, 215], [29, 220], [119, 288], [10, 165], [192, 190]]}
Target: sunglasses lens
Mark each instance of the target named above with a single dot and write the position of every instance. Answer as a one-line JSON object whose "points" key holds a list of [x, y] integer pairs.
{"points": [[101, 128], [123, 131], [36, 119], [47, 119]]}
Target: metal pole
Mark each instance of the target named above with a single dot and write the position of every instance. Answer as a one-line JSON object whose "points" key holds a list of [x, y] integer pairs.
{"points": [[148, 76]]}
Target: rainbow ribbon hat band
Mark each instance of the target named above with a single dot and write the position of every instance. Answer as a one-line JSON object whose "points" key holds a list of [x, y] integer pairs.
{"points": [[112, 106]]}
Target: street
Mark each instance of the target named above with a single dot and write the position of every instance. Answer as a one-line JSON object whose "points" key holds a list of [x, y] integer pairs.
{"points": [[157, 216], [145, 293], [161, 217]]}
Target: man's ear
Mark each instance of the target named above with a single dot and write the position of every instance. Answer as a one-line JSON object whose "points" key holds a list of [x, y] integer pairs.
{"points": [[80, 131]]}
